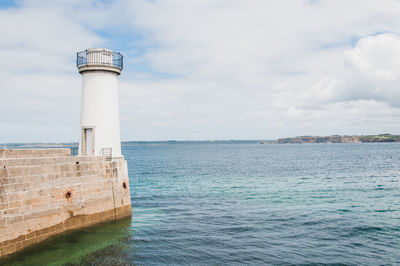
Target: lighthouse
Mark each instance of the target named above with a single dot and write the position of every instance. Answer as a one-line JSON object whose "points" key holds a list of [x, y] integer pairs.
{"points": [[99, 126]]}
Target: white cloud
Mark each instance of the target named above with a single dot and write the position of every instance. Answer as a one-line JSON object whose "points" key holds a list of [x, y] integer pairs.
{"points": [[209, 69], [374, 69], [39, 86]]}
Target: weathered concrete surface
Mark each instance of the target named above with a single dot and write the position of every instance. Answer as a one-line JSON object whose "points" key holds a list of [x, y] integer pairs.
{"points": [[33, 153], [48, 194]]}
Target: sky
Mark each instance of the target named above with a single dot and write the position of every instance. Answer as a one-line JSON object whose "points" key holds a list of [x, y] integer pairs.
{"points": [[205, 69]]}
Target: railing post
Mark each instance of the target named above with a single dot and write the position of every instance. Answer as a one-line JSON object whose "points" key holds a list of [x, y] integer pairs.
{"points": [[100, 57]]}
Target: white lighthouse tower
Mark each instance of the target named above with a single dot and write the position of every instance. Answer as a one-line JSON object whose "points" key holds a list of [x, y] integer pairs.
{"points": [[100, 134]]}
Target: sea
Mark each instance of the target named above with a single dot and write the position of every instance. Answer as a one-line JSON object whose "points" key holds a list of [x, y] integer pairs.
{"points": [[246, 204]]}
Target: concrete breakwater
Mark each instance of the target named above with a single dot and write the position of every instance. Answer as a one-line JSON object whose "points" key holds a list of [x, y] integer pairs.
{"points": [[44, 192]]}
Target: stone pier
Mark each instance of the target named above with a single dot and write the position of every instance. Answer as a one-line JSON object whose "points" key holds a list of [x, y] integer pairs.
{"points": [[44, 192]]}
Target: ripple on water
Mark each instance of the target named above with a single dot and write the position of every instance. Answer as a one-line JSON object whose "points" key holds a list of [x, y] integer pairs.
{"points": [[253, 204]]}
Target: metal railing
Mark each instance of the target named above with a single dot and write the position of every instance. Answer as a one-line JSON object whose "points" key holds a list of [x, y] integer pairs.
{"points": [[106, 152], [74, 151], [99, 57]]}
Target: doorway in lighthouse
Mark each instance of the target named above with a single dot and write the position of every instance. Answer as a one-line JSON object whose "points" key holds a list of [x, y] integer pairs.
{"points": [[87, 141]]}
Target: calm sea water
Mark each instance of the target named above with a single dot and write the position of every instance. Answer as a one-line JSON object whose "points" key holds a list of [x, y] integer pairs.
{"points": [[247, 204]]}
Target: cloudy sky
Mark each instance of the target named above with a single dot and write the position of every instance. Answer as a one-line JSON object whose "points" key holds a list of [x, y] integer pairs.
{"points": [[205, 69]]}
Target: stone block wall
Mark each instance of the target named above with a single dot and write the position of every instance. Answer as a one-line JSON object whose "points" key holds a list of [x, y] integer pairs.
{"points": [[32, 153], [52, 192]]}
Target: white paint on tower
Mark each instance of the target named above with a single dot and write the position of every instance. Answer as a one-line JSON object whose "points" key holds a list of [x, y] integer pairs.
{"points": [[100, 128]]}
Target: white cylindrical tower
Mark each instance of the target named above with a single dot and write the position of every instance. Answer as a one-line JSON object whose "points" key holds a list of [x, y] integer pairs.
{"points": [[100, 134]]}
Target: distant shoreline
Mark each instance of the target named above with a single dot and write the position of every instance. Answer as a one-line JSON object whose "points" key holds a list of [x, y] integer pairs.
{"points": [[293, 140], [340, 139], [134, 143]]}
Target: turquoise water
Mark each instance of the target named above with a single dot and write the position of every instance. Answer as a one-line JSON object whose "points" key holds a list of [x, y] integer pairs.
{"points": [[248, 204]]}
